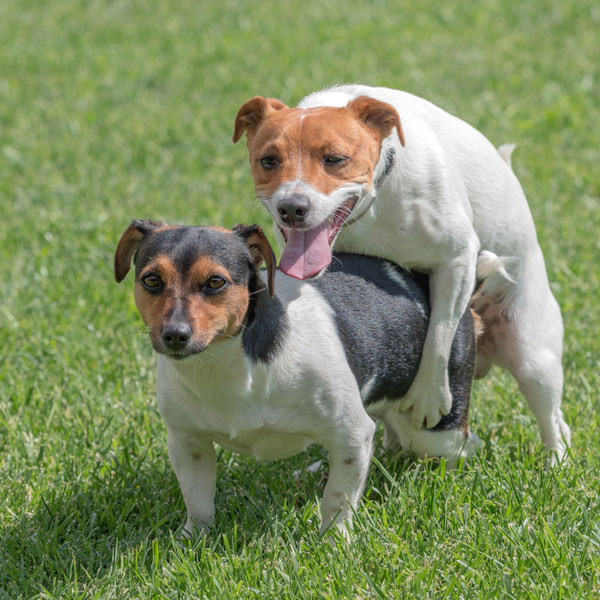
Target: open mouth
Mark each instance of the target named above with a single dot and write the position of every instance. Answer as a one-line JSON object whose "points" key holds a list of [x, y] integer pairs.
{"points": [[308, 251]]}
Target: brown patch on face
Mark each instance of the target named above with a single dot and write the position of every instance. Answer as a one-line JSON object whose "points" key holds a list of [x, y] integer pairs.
{"points": [[154, 307], [300, 139]]}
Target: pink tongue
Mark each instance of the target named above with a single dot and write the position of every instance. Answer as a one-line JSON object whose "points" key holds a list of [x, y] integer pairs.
{"points": [[306, 252]]}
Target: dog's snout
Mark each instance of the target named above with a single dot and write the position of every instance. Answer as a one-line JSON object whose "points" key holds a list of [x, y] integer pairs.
{"points": [[293, 209], [176, 335]]}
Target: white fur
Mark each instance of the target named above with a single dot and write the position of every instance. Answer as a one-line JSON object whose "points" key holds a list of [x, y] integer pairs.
{"points": [[450, 194], [399, 429], [506, 151]]}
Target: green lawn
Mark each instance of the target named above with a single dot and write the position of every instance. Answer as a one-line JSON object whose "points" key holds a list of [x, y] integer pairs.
{"points": [[115, 109]]}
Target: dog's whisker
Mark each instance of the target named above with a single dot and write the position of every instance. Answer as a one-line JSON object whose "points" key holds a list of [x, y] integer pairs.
{"points": [[254, 202], [336, 259], [258, 291]]}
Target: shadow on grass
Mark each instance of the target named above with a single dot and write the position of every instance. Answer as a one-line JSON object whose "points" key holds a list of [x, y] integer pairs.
{"points": [[80, 528], [76, 528]]}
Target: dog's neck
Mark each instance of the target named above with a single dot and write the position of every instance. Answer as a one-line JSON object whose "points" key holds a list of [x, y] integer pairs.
{"points": [[266, 322]]}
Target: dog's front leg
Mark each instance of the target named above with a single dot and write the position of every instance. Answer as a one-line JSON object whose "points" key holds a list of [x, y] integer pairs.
{"points": [[195, 464], [349, 457], [451, 285]]}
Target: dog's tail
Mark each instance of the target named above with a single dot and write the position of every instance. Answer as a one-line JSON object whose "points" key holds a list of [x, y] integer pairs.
{"points": [[494, 274], [505, 151]]}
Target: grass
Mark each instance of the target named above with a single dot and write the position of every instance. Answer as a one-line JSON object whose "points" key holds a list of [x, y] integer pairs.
{"points": [[114, 109]]}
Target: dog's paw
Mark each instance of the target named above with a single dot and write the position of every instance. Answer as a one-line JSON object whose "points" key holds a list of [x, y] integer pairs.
{"points": [[428, 403], [195, 528], [336, 534]]}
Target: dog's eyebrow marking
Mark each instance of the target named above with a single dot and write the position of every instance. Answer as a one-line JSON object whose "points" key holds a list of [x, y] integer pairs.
{"points": [[204, 267], [164, 265]]}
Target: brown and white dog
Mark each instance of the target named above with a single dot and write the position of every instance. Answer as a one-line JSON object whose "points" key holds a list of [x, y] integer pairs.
{"points": [[381, 172]]}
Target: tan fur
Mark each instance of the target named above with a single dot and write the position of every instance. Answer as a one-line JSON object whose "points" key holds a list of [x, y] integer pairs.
{"points": [[477, 325], [153, 309], [260, 251]]}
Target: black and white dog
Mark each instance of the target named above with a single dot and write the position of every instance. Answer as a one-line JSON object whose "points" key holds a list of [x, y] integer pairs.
{"points": [[268, 374]]}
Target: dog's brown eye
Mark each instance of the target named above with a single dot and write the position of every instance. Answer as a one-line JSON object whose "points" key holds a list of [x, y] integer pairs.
{"points": [[151, 282], [215, 283], [269, 163], [332, 160]]}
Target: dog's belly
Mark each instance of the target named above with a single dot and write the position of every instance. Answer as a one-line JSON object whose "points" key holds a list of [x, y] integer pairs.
{"points": [[263, 443]]}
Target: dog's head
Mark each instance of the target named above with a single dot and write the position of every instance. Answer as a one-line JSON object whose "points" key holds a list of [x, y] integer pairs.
{"points": [[192, 284], [313, 169]]}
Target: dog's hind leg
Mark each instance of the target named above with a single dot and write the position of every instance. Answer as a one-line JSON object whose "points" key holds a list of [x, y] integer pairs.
{"points": [[526, 331], [536, 365]]}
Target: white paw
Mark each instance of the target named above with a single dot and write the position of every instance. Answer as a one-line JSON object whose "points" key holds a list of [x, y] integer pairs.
{"points": [[335, 533], [429, 404], [195, 528], [556, 455]]}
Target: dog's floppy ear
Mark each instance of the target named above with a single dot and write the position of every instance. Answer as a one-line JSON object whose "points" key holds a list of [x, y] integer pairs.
{"points": [[378, 115], [253, 112], [260, 250], [130, 242]]}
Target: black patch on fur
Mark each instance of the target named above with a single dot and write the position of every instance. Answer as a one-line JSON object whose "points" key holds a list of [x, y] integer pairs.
{"points": [[382, 323], [266, 323], [390, 159]]}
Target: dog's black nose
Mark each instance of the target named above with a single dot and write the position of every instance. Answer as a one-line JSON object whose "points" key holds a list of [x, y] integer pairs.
{"points": [[293, 209], [176, 335]]}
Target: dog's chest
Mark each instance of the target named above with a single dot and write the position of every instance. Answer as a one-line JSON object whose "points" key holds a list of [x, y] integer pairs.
{"points": [[264, 443], [245, 412], [244, 425], [398, 231]]}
